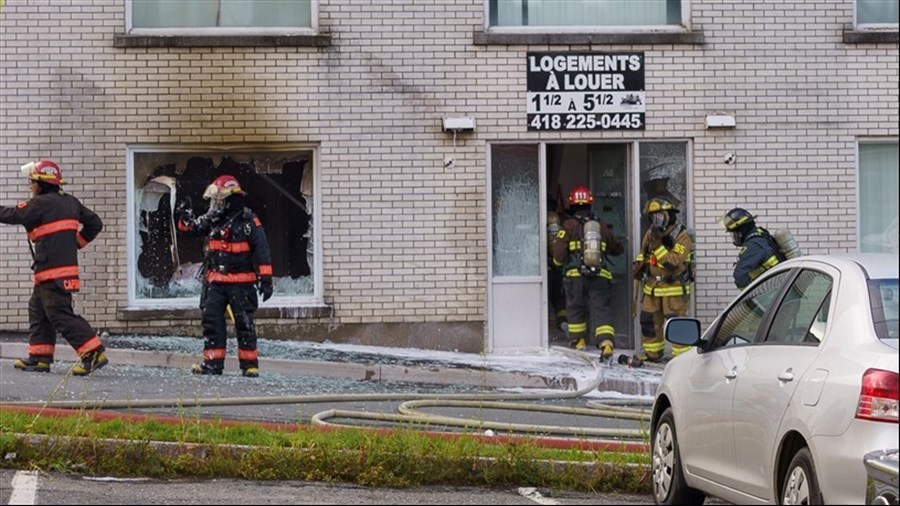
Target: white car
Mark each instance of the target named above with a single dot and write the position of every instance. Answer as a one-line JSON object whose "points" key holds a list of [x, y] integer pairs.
{"points": [[786, 392]]}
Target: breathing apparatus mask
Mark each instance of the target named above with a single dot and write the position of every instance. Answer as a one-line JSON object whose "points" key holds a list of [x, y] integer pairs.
{"points": [[660, 220]]}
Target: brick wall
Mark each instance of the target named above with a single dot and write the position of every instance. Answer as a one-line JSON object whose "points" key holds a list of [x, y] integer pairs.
{"points": [[372, 103]]}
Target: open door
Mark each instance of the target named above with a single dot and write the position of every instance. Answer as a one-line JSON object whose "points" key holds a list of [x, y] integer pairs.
{"points": [[516, 295]]}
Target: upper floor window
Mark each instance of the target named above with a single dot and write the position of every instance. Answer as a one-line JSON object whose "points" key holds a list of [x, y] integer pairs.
{"points": [[584, 13], [877, 13], [222, 16]]}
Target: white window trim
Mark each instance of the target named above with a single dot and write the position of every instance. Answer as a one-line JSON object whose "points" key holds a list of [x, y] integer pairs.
{"points": [[317, 298], [217, 31], [684, 26]]}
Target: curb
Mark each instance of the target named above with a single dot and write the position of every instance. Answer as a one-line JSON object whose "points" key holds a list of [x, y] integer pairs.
{"points": [[173, 460]]}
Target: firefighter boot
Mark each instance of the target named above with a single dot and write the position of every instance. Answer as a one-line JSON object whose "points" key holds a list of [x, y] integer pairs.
{"points": [[606, 349], [31, 364], [205, 369], [578, 344], [250, 372], [90, 363]]}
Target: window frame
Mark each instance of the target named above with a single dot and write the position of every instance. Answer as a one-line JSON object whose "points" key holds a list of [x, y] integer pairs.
{"points": [[313, 29], [684, 26], [133, 302]]}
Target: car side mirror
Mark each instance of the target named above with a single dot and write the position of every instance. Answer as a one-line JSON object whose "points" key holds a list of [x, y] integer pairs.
{"points": [[683, 331]]}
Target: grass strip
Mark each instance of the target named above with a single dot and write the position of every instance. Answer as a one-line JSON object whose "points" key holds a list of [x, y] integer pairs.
{"points": [[196, 448]]}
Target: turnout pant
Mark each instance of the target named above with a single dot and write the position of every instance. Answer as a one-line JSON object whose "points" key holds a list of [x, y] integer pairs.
{"points": [[50, 311], [243, 302], [587, 308], [654, 313]]}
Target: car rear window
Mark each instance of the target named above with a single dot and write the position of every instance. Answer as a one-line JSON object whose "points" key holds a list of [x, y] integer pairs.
{"points": [[885, 295]]}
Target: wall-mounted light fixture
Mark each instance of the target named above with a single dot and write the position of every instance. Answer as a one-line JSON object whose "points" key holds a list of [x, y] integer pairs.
{"points": [[459, 124], [720, 121]]}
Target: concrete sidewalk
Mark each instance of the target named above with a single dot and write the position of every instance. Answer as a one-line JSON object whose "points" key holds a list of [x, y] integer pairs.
{"points": [[556, 368]]}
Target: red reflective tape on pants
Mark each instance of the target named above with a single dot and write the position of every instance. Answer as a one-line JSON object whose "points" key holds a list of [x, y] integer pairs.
{"points": [[92, 344], [248, 354], [52, 228], [265, 270], [41, 349], [214, 354], [70, 271]]}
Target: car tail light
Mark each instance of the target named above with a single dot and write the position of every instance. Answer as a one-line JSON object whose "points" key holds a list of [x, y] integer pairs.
{"points": [[878, 397]]}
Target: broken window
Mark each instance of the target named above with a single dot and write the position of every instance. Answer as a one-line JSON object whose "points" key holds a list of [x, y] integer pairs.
{"points": [[664, 174], [279, 188], [516, 210]]}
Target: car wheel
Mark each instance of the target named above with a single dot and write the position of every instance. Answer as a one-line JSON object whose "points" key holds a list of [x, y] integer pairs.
{"points": [[669, 486], [800, 483]]}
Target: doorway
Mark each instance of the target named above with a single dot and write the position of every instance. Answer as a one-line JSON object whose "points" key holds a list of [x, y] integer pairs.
{"points": [[603, 168], [528, 181]]}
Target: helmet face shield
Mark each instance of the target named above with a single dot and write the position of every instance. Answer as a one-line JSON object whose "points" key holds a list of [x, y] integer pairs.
{"points": [[659, 220], [735, 218]]}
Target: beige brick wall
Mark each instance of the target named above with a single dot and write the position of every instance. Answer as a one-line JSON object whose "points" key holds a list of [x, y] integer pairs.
{"points": [[372, 102]]}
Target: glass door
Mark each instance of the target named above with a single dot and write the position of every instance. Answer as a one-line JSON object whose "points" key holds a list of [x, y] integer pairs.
{"points": [[516, 299]]}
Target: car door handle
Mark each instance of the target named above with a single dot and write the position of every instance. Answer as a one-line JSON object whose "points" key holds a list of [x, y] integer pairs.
{"points": [[786, 376], [732, 374]]}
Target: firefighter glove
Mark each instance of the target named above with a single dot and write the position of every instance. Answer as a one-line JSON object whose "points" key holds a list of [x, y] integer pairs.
{"points": [[668, 242], [184, 210], [265, 288], [638, 271]]}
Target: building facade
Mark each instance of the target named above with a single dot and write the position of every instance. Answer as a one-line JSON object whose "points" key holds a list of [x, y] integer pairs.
{"points": [[403, 155]]}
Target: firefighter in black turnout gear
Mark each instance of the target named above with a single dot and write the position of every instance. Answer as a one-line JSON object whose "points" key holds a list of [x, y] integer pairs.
{"points": [[237, 257], [58, 225], [582, 248], [758, 250]]}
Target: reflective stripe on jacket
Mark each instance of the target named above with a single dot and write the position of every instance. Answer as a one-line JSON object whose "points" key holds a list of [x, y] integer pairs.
{"points": [[52, 221], [666, 268]]}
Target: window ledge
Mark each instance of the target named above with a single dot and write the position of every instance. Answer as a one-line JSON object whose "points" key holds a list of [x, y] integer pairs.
{"points": [[293, 312], [551, 39], [128, 40], [871, 37]]}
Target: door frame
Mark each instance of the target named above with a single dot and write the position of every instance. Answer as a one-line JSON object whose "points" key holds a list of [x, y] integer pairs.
{"points": [[633, 159]]}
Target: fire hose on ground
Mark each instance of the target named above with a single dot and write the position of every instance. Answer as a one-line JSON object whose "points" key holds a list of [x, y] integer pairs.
{"points": [[410, 415]]}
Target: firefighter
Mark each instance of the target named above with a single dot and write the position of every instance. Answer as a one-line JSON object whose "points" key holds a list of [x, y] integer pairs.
{"points": [[556, 295], [58, 225], [234, 242], [758, 250], [582, 248], [664, 265]]}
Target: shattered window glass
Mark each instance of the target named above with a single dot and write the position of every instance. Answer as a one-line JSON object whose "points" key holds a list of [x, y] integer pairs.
{"points": [[664, 174], [279, 188], [516, 210]]}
